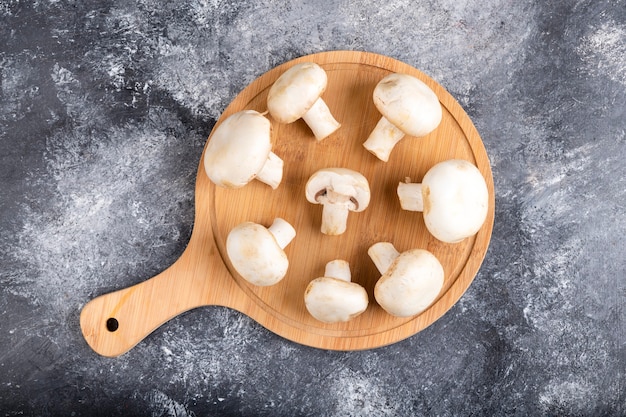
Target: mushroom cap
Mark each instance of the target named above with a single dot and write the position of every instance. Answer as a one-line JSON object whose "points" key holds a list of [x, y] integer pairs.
{"points": [[256, 255], [295, 91], [238, 149], [456, 200], [411, 284], [408, 103], [343, 181], [334, 300]]}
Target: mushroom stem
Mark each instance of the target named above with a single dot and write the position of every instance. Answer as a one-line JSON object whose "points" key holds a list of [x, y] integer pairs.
{"points": [[383, 138], [383, 254], [320, 120], [410, 196], [338, 269], [272, 172], [282, 231], [334, 219]]}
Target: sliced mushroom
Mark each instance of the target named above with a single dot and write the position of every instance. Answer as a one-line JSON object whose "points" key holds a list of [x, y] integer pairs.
{"points": [[240, 150], [297, 94], [408, 107], [333, 298], [454, 198], [410, 281], [339, 190], [257, 253]]}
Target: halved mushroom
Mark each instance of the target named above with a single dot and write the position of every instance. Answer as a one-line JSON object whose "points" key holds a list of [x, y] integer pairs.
{"points": [[408, 107], [257, 252], [297, 94], [454, 198], [410, 281], [333, 298], [339, 190], [240, 150]]}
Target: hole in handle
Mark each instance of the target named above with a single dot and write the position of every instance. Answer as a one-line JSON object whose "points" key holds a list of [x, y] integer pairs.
{"points": [[112, 324]]}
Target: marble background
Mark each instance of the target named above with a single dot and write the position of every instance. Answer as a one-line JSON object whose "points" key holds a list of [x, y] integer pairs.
{"points": [[105, 107]]}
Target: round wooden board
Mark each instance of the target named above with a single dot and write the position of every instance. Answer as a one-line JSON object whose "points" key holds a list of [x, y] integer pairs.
{"points": [[113, 323], [352, 77]]}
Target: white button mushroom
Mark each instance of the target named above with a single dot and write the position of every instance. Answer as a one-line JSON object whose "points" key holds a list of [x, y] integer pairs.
{"points": [[240, 151], [339, 190], [257, 252], [454, 198], [297, 94], [333, 298], [408, 107], [410, 281]]}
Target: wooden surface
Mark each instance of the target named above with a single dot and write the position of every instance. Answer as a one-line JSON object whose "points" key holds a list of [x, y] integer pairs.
{"points": [[203, 276]]}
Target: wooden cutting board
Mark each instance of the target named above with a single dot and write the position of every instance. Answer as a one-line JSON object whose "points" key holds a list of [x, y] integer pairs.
{"points": [[114, 323]]}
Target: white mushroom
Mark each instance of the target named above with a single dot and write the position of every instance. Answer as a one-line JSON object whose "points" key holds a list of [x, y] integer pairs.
{"points": [[297, 94], [454, 198], [408, 107], [333, 298], [240, 150], [257, 252], [410, 281], [339, 190]]}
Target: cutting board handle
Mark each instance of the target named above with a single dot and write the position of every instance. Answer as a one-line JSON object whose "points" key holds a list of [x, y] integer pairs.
{"points": [[114, 323]]}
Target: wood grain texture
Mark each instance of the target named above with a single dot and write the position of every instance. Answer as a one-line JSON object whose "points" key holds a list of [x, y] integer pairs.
{"points": [[203, 275]]}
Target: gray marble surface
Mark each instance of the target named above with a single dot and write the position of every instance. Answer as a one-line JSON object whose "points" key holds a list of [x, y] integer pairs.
{"points": [[105, 107]]}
